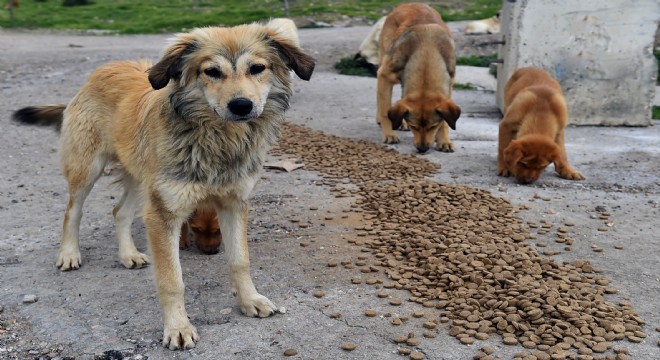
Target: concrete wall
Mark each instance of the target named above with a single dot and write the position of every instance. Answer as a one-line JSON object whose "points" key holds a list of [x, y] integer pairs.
{"points": [[600, 51]]}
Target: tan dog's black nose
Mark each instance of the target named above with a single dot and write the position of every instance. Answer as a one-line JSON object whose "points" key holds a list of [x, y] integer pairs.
{"points": [[240, 106], [422, 149]]}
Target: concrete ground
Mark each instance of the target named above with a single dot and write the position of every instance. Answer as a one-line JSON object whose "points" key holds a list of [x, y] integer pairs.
{"points": [[105, 311]]}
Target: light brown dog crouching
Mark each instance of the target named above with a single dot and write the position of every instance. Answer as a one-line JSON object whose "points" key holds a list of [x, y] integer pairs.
{"points": [[190, 131], [531, 134], [417, 50]]}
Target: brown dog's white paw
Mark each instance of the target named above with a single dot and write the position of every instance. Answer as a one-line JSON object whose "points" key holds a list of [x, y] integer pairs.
{"points": [[503, 171], [446, 147], [134, 260], [257, 305], [572, 175], [180, 337], [68, 260], [390, 138]]}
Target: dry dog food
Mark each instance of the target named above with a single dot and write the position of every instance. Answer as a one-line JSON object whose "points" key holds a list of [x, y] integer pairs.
{"points": [[463, 252]]}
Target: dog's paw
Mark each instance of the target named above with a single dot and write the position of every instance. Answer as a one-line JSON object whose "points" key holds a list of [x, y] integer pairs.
{"points": [[391, 138], [257, 305], [573, 175], [502, 171], [134, 260], [446, 147], [180, 337], [68, 260]]}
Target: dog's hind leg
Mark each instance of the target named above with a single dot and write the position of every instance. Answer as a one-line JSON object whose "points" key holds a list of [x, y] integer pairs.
{"points": [[233, 217], [124, 212], [81, 180]]}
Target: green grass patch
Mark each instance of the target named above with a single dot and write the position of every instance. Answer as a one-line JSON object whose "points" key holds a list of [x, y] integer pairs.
{"points": [[354, 67], [158, 16], [655, 112], [461, 86], [476, 60]]}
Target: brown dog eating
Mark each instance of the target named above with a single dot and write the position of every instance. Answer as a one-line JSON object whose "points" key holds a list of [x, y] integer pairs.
{"points": [[417, 50], [531, 135], [205, 230]]}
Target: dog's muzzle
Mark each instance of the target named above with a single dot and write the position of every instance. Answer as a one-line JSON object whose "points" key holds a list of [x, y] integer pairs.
{"points": [[240, 106]]}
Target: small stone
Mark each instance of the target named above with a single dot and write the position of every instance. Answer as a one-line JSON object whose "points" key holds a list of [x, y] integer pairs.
{"points": [[349, 346], [30, 299], [290, 352]]}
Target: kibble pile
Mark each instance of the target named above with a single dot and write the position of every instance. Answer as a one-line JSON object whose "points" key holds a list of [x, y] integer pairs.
{"points": [[464, 252]]}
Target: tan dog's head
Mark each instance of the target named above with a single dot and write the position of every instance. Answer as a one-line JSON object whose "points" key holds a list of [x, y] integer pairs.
{"points": [[528, 156], [206, 230], [235, 72], [424, 117]]}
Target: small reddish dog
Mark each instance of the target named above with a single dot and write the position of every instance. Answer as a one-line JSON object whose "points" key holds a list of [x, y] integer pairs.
{"points": [[531, 135], [205, 230]]}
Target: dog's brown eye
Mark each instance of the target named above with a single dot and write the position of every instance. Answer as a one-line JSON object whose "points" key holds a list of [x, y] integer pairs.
{"points": [[257, 68], [213, 73]]}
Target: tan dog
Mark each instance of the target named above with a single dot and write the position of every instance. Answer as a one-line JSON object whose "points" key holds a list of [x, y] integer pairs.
{"points": [[205, 230], [490, 25], [416, 50], [531, 135], [190, 131]]}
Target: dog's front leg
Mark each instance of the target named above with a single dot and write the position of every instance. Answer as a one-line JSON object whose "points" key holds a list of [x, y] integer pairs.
{"points": [[233, 216], [563, 168], [505, 135], [163, 229], [383, 103]]}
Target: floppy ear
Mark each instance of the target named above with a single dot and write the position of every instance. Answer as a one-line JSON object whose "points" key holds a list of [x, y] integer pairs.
{"points": [[450, 112], [513, 154], [170, 65], [293, 56], [397, 113]]}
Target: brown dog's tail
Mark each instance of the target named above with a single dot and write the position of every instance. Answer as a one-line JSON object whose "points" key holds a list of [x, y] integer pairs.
{"points": [[46, 115]]}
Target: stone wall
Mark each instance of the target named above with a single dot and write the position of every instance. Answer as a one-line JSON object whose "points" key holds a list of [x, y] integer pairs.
{"points": [[601, 52]]}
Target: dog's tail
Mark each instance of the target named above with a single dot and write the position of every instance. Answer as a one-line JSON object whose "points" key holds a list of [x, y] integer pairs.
{"points": [[46, 115]]}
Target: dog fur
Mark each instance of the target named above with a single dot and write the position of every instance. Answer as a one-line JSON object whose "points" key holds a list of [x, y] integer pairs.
{"points": [[205, 230], [417, 50], [490, 25], [370, 46], [191, 130], [531, 134]]}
